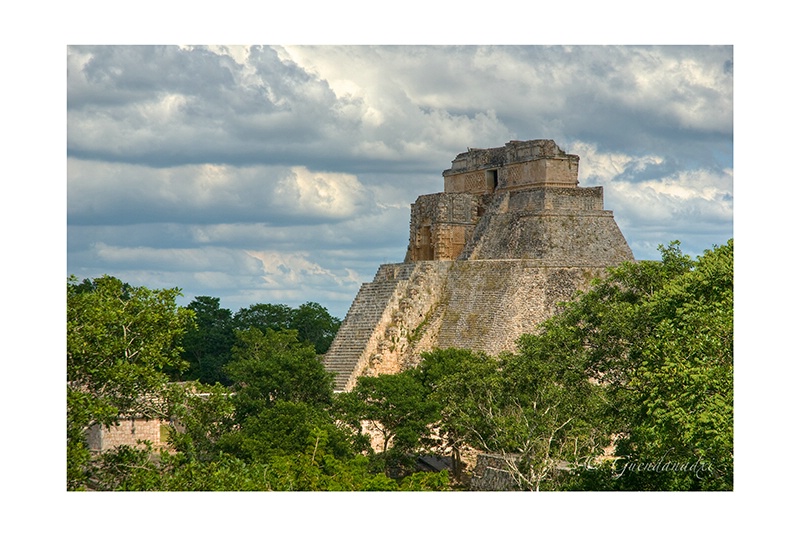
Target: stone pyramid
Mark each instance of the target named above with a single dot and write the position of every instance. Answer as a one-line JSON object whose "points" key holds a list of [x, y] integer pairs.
{"points": [[488, 260]]}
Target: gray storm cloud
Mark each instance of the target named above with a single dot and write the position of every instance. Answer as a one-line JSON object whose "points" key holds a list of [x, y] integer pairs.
{"points": [[208, 167]]}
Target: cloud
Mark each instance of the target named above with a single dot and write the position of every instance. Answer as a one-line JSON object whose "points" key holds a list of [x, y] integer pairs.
{"points": [[558, 92], [321, 195], [651, 199], [359, 108], [286, 173], [280, 269], [103, 192], [207, 259], [167, 106]]}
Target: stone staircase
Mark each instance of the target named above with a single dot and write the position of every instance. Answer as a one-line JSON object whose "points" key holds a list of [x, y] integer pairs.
{"points": [[350, 348]]}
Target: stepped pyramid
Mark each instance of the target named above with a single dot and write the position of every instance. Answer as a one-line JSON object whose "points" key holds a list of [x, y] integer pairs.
{"points": [[488, 260]]}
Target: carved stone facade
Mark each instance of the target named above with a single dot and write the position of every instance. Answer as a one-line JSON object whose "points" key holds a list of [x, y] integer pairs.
{"points": [[488, 260], [441, 224], [520, 164]]}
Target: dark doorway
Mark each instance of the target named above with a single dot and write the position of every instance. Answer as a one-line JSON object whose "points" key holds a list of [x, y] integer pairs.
{"points": [[491, 179], [425, 251]]}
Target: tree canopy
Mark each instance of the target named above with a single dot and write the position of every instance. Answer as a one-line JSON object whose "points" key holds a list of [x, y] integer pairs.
{"points": [[658, 336], [628, 387], [208, 346], [120, 339]]}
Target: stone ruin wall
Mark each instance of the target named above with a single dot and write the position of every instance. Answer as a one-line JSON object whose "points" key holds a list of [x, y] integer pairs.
{"points": [[493, 472], [535, 163], [382, 327], [460, 304], [565, 227], [127, 432], [441, 224], [483, 312]]}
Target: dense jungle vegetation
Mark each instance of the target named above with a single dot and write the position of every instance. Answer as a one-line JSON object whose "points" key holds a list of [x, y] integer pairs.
{"points": [[628, 387]]}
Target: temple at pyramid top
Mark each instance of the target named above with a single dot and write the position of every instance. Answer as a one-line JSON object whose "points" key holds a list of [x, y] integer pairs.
{"points": [[519, 164], [519, 201]]}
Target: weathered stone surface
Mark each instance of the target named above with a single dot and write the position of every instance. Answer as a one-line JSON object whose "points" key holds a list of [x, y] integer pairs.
{"points": [[494, 472], [129, 431], [488, 260]]}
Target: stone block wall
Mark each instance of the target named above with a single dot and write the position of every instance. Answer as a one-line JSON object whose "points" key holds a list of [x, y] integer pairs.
{"points": [[492, 473], [519, 164], [474, 182], [491, 303], [481, 158], [127, 432], [561, 226], [440, 226], [541, 199], [480, 305], [553, 172]]}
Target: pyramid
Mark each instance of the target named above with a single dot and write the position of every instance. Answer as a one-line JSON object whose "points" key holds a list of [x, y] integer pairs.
{"points": [[488, 260]]}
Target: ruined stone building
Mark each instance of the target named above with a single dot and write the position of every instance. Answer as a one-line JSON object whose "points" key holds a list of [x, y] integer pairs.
{"points": [[488, 260]]}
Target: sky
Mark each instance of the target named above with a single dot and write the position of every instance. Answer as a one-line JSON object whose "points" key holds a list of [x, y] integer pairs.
{"points": [[285, 174]]}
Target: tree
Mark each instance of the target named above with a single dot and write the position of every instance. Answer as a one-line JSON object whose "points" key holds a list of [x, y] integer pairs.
{"points": [[456, 378], [120, 339], [535, 408], [285, 429], [269, 366], [312, 322], [549, 413], [680, 396], [396, 405], [263, 316], [642, 361], [202, 416], [659, 337], [207, 345], [315, 325]]}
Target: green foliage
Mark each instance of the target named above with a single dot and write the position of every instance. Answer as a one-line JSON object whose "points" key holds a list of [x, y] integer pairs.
{"points": [[536, 407], [276, 317], [204, 415], [668, 370], [299, 472], [285, 428], [315, 325], [269, 366], [120, 339], [125, 468], [397, 405], [643, 359], [207, 345], [311, 321], [82, 410], [462, 383], [424, 481], [270, 428], [315, 469], [276, 405]]}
